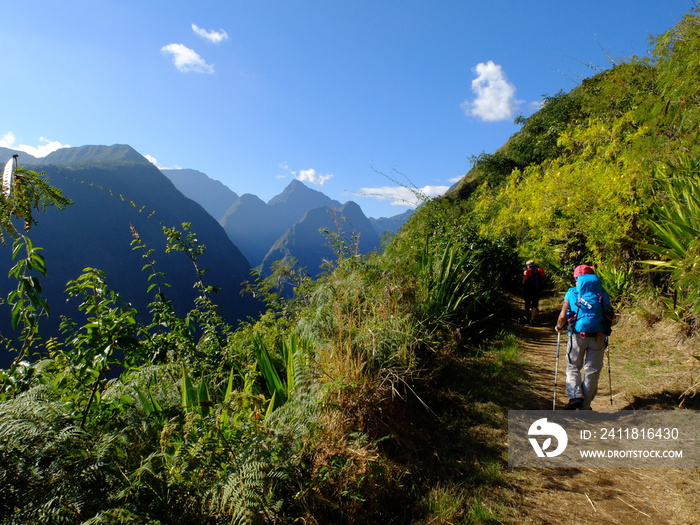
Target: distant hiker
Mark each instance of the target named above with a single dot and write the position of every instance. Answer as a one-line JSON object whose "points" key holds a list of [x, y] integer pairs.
{"points": [[588, 315], [533, 284]]}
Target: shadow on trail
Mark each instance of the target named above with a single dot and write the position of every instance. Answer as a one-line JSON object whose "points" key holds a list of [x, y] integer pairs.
{"points": [[469, 395], [573, 496], [539, 350], [663, 401]]}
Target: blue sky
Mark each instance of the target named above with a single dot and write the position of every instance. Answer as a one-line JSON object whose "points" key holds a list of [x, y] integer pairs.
{"points": [[351, 97]]}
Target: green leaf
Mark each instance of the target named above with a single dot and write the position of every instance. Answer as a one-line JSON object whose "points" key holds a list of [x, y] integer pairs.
{"points": [[272, 378], [203, 399], [149, 404], [16, 315], [189, 394]]}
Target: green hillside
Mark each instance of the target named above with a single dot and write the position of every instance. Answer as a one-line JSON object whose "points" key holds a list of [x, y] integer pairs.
{"points": [[379, 393]]}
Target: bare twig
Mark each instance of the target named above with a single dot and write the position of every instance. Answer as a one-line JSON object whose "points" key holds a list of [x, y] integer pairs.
{"points": [[633, 507], [591, 502]]}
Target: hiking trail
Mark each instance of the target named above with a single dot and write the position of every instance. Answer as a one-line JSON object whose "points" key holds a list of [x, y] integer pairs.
{"points": [[568, 496]]}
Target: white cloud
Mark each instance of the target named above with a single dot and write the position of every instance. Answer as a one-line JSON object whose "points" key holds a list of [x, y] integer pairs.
{"points": [[402, 195], [154, 161], [213, 36], [495, 96], [313, 177], [185, 59], [8, 141], [309, 175]]}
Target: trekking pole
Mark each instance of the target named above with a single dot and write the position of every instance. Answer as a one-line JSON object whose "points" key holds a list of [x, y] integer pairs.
{"points": [[609, 371], [556, 371]]}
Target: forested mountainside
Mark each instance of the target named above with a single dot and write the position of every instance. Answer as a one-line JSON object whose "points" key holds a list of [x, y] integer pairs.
{"points": [[312, 240], [606, 174], [118, 195], [379, 392]]}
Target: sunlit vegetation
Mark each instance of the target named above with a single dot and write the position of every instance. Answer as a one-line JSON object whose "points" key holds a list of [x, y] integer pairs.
{"points": [[321, 410]]}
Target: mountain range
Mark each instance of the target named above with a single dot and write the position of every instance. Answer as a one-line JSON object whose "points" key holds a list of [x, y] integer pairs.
{"points": [[310, 241], [289, 225], [115, 188]]}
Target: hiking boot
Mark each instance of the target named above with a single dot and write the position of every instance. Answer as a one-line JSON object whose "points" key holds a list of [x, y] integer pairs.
{"points": [[574, 404]]}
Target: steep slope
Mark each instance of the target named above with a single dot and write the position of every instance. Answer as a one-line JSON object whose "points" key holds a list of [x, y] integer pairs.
{"points": [[210, 194], [308, 242], [114, 188], [390, 224], [255, 226], [252, 227]]}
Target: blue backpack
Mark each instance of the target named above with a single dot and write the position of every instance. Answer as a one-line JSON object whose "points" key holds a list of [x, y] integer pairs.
{"points": [[592, 312]]}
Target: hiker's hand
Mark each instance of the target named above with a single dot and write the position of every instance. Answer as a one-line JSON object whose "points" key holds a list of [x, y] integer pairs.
{"points": [[556, 327]]}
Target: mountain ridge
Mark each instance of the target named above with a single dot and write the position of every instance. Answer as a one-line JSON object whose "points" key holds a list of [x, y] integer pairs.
{"points": [[93, 154], [213, 195], [274, 219], [255, 227], [115, 194], [309, 240]]}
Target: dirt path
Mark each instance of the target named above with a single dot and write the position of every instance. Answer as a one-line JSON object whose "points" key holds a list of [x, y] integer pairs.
{"points": [[595, 495]]}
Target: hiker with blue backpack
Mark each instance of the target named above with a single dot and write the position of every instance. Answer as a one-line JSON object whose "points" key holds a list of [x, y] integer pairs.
{"points": [[588, 315]]}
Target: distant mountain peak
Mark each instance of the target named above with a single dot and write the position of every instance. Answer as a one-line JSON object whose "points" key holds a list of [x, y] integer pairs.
{"points": [[117, 153], [351, 206], [298, 191]]}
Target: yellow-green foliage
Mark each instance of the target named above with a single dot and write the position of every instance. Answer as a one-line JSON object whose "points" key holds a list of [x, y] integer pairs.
{"points": [[587, 199], [678, 81], [578, 206]]}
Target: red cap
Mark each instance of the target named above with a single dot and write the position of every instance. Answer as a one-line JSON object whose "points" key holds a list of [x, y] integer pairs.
{"points": [[583, 269]]}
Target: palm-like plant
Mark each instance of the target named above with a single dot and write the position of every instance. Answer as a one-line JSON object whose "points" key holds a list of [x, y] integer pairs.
{"points": [[674, 222], [452, 289]]}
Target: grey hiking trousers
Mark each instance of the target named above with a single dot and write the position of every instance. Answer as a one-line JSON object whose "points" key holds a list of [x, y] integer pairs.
{"points": [[584, 361]]}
